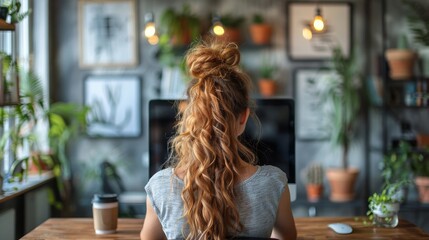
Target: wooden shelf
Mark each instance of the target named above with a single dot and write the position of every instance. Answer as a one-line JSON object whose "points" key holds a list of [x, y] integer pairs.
{"points": [[4, 26]]}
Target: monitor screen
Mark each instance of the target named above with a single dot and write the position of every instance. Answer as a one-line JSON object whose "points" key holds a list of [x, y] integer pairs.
{"points": [[272, 139]]}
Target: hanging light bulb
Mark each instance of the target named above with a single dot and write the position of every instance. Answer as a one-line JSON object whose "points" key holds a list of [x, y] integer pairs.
{"points": [[217, 26], [318, 21], [149, 29], [306, 33], [153, 40]]}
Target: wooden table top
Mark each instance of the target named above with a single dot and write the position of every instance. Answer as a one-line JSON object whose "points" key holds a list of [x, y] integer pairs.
{"points": [[308, 228]]}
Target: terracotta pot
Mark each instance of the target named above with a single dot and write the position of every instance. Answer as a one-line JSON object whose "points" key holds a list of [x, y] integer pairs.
{"points": [[231, 35], [314, 192], [261, 33], [422, 184], [267, 87], [422, 140], [401, 63], [342, 183]]}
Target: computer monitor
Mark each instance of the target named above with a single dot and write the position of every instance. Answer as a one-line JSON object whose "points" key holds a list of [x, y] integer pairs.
{"points": [[272, 139]]}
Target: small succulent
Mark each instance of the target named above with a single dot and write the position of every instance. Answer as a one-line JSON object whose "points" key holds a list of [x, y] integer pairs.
{"points": [[314, 174]]}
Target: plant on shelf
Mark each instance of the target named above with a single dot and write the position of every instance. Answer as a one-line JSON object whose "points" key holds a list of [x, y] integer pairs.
{"points": [[266, 83], [64, 119], [401, 60], [343, 93], [181, 27], [12, 8], [383, 209], [231, 24], [418, 22], [313, 177], [420, 168], [260, 30]]}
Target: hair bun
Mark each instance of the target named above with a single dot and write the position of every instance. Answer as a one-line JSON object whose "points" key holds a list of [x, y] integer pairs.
{"points": [[209, 59]]}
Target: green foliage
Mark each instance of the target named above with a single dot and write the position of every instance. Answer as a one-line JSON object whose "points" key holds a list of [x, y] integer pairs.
{"points": [[420, 163], [14, 7], [175, 22], [257, 19], [375, 200], [418, 20], [267, 70], [231, 20], [344, 95], [396, 165], [403, 42], [314, 174]]}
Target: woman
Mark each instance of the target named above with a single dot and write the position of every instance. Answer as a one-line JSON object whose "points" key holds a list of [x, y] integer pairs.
{"points": [[213, 190]]}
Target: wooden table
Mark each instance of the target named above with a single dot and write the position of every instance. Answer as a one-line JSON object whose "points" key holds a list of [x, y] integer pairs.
{"points": [[308, 228]]}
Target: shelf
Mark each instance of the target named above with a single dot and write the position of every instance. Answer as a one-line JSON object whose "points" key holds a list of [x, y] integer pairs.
{"points": [[404, 81], [414, 206], [400, 107], [4, 26]]}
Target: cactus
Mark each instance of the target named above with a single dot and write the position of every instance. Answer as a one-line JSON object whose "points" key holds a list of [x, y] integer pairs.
{"points": [[314, 174]]}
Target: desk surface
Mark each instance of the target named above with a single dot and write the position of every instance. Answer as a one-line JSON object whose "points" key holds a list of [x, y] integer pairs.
{"points": [[308, 228]]}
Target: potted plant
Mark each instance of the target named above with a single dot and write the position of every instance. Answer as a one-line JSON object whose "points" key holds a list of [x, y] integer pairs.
{"points": [[418, 21], [343, 94], [12, 8], [401, 60], [266, 83], [420, 168], [181, 27], [231, 24], [313, 177], [383, 209], [260, 31]]}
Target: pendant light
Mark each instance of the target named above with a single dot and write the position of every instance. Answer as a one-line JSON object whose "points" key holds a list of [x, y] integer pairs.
{"points": [[217, 26]]}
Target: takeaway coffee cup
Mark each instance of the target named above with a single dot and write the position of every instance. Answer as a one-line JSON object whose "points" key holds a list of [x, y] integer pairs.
{"points": [[105, 213]]}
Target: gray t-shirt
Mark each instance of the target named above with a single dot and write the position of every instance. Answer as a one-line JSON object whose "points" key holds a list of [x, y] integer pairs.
{"points": [[257, 200]]}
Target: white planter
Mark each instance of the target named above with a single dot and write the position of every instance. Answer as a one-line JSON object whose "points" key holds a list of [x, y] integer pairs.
{"points": [[386, 209]]}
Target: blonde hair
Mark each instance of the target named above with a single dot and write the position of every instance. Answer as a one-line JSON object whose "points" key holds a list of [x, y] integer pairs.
{"points": [[206, 145]]}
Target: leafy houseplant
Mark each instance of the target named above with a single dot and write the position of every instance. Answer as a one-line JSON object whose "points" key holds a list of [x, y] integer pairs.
{"points": [[231, 24], [383, 209], [260, 31], [13, 10], [420, 168], [418, 21], [181, 26], [267, 84], [343, 93]]}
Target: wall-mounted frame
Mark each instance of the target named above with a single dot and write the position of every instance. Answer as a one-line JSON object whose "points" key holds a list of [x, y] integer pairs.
{"points": [[338, 15], [312, 119], [115, 103], [107, 33]]}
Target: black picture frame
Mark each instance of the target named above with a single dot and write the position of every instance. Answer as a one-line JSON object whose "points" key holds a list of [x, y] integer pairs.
{"points": [[115, 106], [339, 18]]}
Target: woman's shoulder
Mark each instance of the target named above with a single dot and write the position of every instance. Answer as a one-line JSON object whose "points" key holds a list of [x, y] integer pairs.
{"points": [[273, 172], [161, 176]]}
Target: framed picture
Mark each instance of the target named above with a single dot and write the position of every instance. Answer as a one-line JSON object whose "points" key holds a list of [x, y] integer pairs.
{"points": [[107, 33], [304, 43], [312, 110], [115, 103]]}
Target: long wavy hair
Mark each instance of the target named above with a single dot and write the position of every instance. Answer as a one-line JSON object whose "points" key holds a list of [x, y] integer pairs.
{"points": [[206, 145]]}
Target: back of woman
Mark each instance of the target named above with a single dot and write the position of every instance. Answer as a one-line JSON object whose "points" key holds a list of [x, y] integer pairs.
{"points": [[213, 190]]}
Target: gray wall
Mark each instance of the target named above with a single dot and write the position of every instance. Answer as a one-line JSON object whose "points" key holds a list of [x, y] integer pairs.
{"points": [[131, 154]]}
